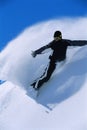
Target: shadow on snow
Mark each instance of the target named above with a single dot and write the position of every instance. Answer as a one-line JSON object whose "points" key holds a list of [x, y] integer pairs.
{"points": [[64, 84]]}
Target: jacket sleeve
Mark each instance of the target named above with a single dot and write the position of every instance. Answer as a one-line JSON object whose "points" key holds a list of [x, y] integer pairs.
{"points": [[77, 42], [40, 50]]}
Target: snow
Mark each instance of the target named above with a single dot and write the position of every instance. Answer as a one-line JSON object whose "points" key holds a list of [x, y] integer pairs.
{"points": [[61, 104]]}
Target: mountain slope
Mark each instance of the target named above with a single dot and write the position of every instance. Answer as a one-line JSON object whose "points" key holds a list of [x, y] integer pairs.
{"points": [[62, 102]]}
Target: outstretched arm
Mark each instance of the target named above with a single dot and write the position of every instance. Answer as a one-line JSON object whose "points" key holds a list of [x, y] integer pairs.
{"points": [[78, 43], [40, 50]]}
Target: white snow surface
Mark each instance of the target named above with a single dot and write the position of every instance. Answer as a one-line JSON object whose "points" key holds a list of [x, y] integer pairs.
{"points": [[62, 102]]}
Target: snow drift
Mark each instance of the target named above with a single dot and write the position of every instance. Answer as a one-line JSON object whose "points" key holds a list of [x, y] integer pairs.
{"points": [[62, 102]]}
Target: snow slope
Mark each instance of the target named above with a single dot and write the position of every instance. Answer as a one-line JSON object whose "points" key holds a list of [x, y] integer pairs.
{"points": [[62, 103]]}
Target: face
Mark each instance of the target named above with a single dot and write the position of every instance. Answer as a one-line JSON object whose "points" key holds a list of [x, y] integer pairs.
{"points": [[58, 38]]}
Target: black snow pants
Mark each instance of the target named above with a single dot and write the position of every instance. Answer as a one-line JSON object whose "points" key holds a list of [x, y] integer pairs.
{"points": [[46, 75]]}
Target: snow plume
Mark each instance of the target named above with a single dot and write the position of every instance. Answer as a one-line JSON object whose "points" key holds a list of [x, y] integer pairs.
{"points": [[16, 61]]}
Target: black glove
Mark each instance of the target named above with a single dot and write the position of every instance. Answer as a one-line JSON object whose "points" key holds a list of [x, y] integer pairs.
{"points": [[33, 54]]}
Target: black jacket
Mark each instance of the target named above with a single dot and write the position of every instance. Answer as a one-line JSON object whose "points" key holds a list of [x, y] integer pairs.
{"points": [[60, 47]]}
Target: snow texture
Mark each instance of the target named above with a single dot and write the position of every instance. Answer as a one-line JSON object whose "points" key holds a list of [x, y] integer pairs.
{"points": [[61, 104]]}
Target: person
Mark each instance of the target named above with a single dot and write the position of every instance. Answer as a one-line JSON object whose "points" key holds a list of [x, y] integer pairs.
{"points": [[59, 48]]}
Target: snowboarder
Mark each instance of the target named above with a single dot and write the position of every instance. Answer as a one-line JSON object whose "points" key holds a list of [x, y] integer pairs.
{"points": [[59, 47]]}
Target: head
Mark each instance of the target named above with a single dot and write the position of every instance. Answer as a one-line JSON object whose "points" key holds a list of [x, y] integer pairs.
{"points": [[57, 36]]}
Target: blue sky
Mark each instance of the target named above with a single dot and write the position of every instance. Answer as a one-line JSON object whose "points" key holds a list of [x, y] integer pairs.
{"points": [[16, 15]]}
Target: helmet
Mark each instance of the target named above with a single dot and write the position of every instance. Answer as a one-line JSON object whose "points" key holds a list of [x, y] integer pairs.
{"points": [[57, 34]]}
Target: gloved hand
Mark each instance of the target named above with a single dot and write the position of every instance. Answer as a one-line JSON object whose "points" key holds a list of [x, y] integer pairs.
{"points": [[33, 54]]}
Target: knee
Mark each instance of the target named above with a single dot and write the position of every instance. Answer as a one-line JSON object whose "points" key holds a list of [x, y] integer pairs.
{"points": [[46, 79]]}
